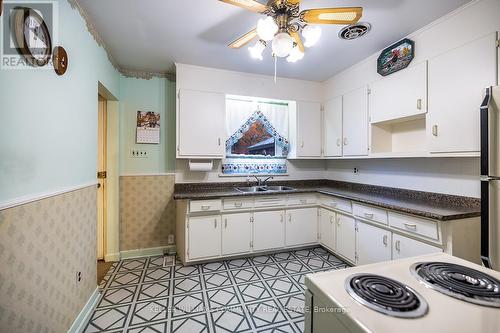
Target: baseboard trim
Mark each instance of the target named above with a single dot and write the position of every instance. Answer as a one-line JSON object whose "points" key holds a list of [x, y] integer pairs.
{"points": [[147, 174], [84, 315], [147, 252], [112, 257]]}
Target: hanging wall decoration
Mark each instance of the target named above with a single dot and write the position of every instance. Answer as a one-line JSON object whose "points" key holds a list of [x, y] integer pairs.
{"points": [[148, 127], [60, 60], [396, 57]]}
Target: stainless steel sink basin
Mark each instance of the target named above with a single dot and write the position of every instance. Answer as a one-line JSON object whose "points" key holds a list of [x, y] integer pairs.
{"points": [[251, 189], [279, 188]]}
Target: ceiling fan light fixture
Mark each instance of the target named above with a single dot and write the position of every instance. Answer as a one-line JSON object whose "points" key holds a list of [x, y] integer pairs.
{"points": [[295, 55], [257, 50], [266, 28], [311, 34], [282, 44]]}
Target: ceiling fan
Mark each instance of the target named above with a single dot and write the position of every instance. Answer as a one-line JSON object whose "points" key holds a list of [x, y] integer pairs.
{"points": [[283, 23]]}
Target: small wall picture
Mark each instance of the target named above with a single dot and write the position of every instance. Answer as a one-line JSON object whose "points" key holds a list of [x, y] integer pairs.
{"points": [[148, 127], [396, 57]]}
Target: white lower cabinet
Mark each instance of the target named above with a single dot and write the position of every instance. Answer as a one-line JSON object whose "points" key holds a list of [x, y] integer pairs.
{"points": [[204, 233], [345, 236], [236, 233], [268, 230], [404, 247], [372, 244], [301, 226], [327, 228]]}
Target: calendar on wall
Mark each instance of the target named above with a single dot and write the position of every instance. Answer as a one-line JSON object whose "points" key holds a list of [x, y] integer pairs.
{"points": [[148, 127]]}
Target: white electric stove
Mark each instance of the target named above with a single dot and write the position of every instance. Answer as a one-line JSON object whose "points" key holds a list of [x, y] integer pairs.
{"points": [[431, 293]]}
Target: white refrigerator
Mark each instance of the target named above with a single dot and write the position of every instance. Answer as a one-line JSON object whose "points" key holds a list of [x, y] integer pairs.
{"points": [[490, 178]]}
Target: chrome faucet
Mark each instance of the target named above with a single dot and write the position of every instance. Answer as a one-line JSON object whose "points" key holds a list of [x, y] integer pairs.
{"points": [[262, 182]]}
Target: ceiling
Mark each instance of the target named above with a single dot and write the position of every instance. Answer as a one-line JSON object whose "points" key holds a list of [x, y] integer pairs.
{"points": [[150, 35]]}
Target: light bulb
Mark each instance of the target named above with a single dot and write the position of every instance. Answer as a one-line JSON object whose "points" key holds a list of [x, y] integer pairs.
{"points": [[257, 49], [295, 55], [282, 44], [266, 28], [311, 35]]}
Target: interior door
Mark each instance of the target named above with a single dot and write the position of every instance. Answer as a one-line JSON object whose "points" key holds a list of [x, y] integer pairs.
{"points": [[308, 129], [372, 244], [101, 176], [355, 122], [301, 226], [326, 228], [202, 118], [266, 224], [345, 236], [204, 234], [332, 127], [236, 233]]}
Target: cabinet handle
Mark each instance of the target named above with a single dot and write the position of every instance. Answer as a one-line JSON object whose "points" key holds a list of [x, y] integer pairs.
{"points": [[384, 240], [331, 219], [225, 223], [398, 246], [303, 201], [281, 218], [435, 130], [238, 204], [215, 223], [333, 204], [410, 226], [419, 104], [219, 141], [339, 142], [289, 217], [302, 144], [205, 207], [345, 142], [369, 215]]}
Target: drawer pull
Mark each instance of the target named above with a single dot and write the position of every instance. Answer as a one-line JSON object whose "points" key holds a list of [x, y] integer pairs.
{"points": [[369, 215], [215, 223], [238, 204], [398, 246], [385, 240], [334, 204], [303, 201], [410, 226], [205, 207]]}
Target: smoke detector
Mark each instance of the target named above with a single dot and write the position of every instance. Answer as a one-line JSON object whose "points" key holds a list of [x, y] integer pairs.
{"points": [[354, 31]]}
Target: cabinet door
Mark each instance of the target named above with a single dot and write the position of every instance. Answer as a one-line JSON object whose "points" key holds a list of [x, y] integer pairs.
{"points": [[236, 233], [404, 247], [268, 230], [326, 228], [308, 129], [204, 234], [301, 226], [332, 127], [401, 95], [201, 123], [355, 122], [456, 88], [372, 244], [345, 236]]}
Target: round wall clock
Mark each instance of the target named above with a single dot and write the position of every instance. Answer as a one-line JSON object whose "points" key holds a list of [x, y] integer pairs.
{"points": [[32, 36], [60, 60]]}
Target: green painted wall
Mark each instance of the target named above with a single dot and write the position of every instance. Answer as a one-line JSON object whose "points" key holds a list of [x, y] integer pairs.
{"points": [[48, 134], [157, 95]]}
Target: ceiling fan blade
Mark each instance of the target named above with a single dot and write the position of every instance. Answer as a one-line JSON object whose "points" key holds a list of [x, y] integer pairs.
{"points": [[296, 37], [345, 15], [252, 5], [243, 40]]}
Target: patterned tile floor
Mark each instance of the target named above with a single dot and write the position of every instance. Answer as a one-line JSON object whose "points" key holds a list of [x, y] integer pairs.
{"points": [[255, 294]]}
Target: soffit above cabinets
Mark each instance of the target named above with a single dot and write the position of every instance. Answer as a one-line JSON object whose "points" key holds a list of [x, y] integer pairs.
{"points": [[151, 35]]}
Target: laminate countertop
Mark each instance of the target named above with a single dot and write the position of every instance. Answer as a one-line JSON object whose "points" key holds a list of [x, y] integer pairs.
{"points": [[431, 205]]}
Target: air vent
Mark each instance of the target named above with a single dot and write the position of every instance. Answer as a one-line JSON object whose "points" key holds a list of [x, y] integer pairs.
{"points": [[354, 31]]}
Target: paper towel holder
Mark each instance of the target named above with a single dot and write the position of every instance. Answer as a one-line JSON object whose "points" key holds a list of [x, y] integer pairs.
{"points": [[201, 165]]}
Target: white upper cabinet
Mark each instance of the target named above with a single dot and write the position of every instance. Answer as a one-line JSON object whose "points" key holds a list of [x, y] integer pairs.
{"points": [[308, 129], [332, 128], [201, 124], [457, 80], [355, 121], [400, 95]]}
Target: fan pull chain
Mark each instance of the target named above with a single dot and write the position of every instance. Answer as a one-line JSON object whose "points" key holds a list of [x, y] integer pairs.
{"points": [[275, 67]]}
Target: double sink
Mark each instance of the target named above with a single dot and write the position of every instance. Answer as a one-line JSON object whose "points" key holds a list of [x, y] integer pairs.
{"points": [[255, 189]]}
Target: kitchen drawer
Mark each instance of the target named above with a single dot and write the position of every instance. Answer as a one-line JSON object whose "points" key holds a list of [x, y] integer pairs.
{"points": [[414, 225], [270, 201], [297, 199], [337, 203], [370, 213], [237, 203], [205, 205]]}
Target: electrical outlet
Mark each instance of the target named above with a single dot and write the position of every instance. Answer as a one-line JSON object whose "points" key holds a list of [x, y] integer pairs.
{"points": [[78, 277], [355, 171], [139, 153], [170, 239]]}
